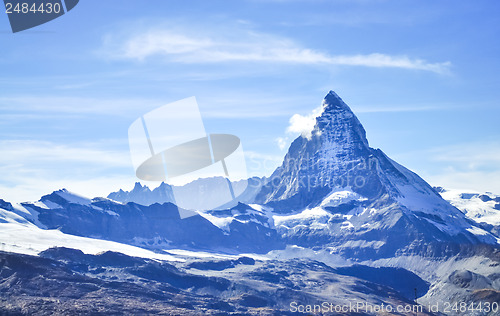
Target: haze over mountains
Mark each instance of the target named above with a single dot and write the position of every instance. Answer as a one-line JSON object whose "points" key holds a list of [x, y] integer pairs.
{"points": [[333, 202]]}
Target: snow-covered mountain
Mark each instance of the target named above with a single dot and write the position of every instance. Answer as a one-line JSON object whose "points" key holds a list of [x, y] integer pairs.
{"points": [[157, 226], [143, 195], [334, 200], [333, 189], [483, 208], [195, 195]]}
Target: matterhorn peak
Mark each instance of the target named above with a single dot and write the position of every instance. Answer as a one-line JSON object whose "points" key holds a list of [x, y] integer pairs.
{"points": [[337, 161], [324, 161], [339, 123], [333, 102], [336, 157]]}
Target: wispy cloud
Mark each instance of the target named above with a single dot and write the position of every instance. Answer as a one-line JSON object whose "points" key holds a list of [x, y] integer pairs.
{"points": [[31, 189], [229, 105], [183, 47]]}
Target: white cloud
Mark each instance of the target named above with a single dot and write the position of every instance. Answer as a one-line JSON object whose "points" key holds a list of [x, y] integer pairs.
{"points": [[282, 142], [304, 124], [163, 42], [382, 60], [180, 46], [226, 105]]}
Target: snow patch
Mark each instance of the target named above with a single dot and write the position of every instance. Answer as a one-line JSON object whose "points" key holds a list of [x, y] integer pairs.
{"points": [[474, 207], [477, 231], [73, 197], [337, 198], [316, 214], [28, 239]]}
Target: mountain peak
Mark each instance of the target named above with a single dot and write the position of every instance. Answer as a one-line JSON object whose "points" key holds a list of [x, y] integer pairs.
{"points": [[163, 185], [314, 166], [137, 186], [63, 197], [5, 205], [333, 102], [340, 123]]}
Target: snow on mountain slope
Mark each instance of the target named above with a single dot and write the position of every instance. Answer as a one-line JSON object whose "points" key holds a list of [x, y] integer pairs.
{"points": [[157, 226], [386, 207], [20, 236], [242, 214], [480, 207], [73, 197], [334, 199]]}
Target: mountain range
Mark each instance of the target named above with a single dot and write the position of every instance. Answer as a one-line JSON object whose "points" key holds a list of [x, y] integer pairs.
{"points": [[336, 211]]}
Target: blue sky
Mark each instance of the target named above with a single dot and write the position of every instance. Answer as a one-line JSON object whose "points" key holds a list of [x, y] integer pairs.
{"points": [[422, 76]]}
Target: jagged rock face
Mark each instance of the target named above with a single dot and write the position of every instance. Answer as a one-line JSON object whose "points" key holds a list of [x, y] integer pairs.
{"points": [[144, 196]]}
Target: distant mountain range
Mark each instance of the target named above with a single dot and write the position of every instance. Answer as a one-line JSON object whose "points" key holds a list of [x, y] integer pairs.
{"points": [[195, 195], [334, 203]]}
